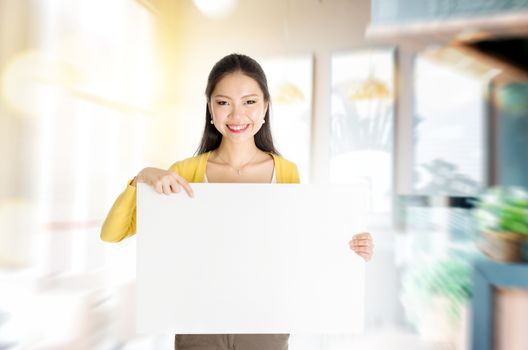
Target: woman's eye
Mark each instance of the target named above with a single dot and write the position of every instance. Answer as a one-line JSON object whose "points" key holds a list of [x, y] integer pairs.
{"points": [[221, 103], [250, 102]]}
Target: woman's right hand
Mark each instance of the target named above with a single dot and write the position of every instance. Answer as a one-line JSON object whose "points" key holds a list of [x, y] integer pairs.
{"points": [[163, 181]]}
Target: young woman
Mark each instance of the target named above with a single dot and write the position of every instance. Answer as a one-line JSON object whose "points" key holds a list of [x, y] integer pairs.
{"points": [[236, 147]]}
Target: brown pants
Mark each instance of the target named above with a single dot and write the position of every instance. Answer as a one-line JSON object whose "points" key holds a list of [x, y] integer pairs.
{"points": [[231, 342]]}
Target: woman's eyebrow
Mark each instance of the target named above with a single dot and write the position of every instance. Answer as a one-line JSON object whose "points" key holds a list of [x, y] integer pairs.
{"points": [[245, 96], [224, 96]]}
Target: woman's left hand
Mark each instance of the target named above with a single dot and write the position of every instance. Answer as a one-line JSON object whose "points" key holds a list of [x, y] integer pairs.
{"points": [[362, 245]]}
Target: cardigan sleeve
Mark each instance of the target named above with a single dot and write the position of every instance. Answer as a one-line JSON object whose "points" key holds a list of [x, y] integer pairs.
{"points": [[121, 219]]}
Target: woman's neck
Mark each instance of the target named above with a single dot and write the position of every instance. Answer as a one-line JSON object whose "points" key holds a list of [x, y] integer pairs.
{"points": [[236, 154]]}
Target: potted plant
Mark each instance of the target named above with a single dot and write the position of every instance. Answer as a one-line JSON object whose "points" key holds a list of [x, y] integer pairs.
{"points": [[435, 296], [502, 214]]}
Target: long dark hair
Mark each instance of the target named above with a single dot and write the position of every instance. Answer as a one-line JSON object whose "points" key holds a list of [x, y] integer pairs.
{"points": [[211, 138]]}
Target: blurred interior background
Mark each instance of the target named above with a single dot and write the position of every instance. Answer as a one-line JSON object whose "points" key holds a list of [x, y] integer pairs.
{"points": [[424, 101]]}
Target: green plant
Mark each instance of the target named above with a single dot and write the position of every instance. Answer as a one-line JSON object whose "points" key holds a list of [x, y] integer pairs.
{"points": [[503, 209], [448, 278]]}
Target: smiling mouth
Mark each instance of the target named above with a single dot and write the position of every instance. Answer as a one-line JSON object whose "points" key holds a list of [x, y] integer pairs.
{"points": [[238, 128]]}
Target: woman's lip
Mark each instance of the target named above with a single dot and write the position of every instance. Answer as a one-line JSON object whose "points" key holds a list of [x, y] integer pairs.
{"points": [[238, 128]]}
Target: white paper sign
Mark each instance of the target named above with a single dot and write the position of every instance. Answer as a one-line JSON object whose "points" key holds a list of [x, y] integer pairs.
{"points": [[250, 258]]}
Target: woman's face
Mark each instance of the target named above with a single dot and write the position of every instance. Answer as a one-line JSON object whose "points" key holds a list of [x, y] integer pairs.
{"points": [[237, 107]]}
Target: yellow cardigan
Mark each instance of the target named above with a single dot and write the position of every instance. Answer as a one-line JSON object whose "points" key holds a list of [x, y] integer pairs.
{"points": [[121, 220]]}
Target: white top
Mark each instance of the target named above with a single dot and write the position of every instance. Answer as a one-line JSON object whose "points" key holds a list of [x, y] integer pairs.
{"points": [[273, 179]]}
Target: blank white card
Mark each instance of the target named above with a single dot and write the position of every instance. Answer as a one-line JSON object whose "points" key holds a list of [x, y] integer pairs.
{"points": [[250, 258]]}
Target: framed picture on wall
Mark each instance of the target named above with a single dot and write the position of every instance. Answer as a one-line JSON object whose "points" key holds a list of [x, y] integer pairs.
{"points": [[362, 122]]}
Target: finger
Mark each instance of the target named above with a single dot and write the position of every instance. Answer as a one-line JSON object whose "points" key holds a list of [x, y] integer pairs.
{"points": [[166, 187], [362, 235], [175, 176], [159, 187], [362, 243], [362, 250], [186, 186], [183, 183], [175, 187]]}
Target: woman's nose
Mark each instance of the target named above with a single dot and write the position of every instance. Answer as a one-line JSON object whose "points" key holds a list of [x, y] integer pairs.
{"points": [[236, 112]]}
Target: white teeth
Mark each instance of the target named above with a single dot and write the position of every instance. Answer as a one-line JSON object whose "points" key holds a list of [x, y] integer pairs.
{"points": [[236, 127]]}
